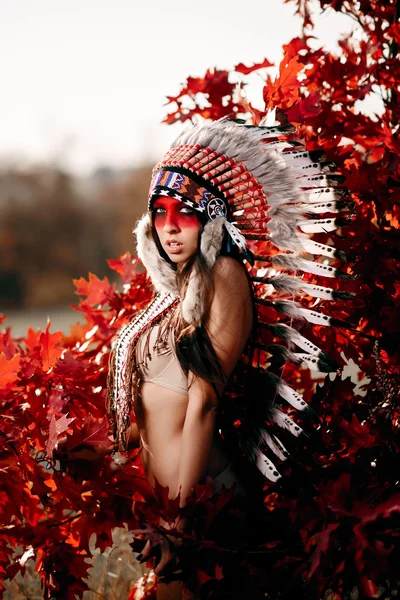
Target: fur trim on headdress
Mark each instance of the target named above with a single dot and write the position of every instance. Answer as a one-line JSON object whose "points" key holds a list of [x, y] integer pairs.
{"points": [[193, 305], [160, 271]]}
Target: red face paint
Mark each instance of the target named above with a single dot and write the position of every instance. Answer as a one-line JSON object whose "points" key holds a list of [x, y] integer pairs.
{"points": [[173, 213], [177, 227]]}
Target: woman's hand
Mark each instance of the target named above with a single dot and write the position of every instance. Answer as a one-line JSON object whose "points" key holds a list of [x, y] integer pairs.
{"points": [[166, 562], [165, 551]]}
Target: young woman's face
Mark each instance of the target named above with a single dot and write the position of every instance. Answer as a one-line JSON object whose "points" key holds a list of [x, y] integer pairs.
{"points": [[177, 227]]}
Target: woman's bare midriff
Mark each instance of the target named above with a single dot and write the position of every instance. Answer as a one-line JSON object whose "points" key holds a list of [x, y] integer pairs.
{"points": [[160, 414]]}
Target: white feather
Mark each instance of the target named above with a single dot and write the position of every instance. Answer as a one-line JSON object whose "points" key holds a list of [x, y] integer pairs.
{"points": [[316, 248], [321, 207], [313, 181], [296, 338], [286, 422], [291, 261], [291, 396], [310, 169], [312, 316], [322, 194], [276, 445], [317, 225], [267, 467], [311, 361], [317, 291]]}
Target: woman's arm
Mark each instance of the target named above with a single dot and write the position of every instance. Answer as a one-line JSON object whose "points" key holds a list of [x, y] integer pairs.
{"points": [[134, 436], [228, 326]]}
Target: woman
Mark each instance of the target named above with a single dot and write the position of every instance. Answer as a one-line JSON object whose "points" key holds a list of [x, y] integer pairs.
{"points": [[179, 387], [186, 368], [176, 410]]}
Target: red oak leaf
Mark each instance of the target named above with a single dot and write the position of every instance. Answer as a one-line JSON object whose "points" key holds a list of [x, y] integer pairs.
{"points": [[322, 543], [8, 369], [202, 577], [57, 426], [303, 9], [169, 506], [305, 107], [7, 344], [97, 291], [50, 348], [295, 46], [218, 573], [93, 433], [241, 68], [284, 90], [357, 433], [126, 266], [32, 339]]}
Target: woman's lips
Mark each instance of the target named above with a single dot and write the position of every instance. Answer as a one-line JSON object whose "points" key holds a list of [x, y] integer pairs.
{"points": [[174, 248]]}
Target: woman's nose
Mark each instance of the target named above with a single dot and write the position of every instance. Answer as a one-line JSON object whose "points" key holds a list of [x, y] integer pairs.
{"points": [[171, 223]]}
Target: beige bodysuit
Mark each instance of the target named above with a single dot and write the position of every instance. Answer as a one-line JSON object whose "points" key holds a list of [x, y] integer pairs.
{"points": [[158, 363], [157, 360]]}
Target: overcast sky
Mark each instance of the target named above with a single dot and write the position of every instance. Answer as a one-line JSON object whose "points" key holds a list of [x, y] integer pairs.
{"points": [[83, 82]]}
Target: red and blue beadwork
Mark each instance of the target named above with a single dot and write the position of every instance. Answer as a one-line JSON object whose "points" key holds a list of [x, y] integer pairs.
{"points": [[175, 184]]}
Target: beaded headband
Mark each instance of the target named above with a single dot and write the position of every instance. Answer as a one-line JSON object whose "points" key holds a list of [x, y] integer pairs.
{"points": [[174, 183]]}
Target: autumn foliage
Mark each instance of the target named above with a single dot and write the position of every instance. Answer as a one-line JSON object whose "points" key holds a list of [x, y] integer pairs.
{"points": [[340, 500]]}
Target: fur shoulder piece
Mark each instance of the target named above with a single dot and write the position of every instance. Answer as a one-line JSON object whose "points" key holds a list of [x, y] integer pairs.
{"points": [[193, 305], [160, 271]]}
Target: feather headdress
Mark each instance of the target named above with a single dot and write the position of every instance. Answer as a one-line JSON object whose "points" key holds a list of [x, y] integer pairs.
{"points": [[271, 196]]}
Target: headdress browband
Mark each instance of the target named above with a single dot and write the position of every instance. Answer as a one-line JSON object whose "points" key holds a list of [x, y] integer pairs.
{"points": [[173, 182]]}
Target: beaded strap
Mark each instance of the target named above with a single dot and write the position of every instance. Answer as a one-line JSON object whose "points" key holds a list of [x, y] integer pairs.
{"points": [[119, 397]]}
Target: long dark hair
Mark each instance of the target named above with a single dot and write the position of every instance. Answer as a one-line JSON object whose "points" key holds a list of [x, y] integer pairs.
{"points": [[196, 353], [193, 346]]}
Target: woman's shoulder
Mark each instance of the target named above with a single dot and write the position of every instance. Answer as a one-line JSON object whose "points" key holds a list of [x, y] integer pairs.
{"points": [[229, 272], [228, 267]]}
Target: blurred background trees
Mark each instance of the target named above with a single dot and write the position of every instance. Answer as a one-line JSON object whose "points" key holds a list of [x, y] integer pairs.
{"points": [[55, 227]]}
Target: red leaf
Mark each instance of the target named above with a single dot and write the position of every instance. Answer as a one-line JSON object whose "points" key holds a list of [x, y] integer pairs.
{"points": [[98, 291], [303, 9], [170, 506], [241, 68], [7, 344], [93, 433], [8, 369], [217, 90], [283, 91], [202, 577], [322, 541], [394, 32], [306, 107], [57, 426], [218, 573], [50, 348], [125, 266], [32, 339], [358, 434], [294, 47]]}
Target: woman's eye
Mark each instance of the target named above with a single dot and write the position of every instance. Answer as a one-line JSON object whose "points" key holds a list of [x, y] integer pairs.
{"points": [[159, 210], [187, 210]]}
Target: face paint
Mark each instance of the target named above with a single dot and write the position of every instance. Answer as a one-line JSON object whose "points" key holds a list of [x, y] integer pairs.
{"points": [[169, 211], [177, 227]]}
